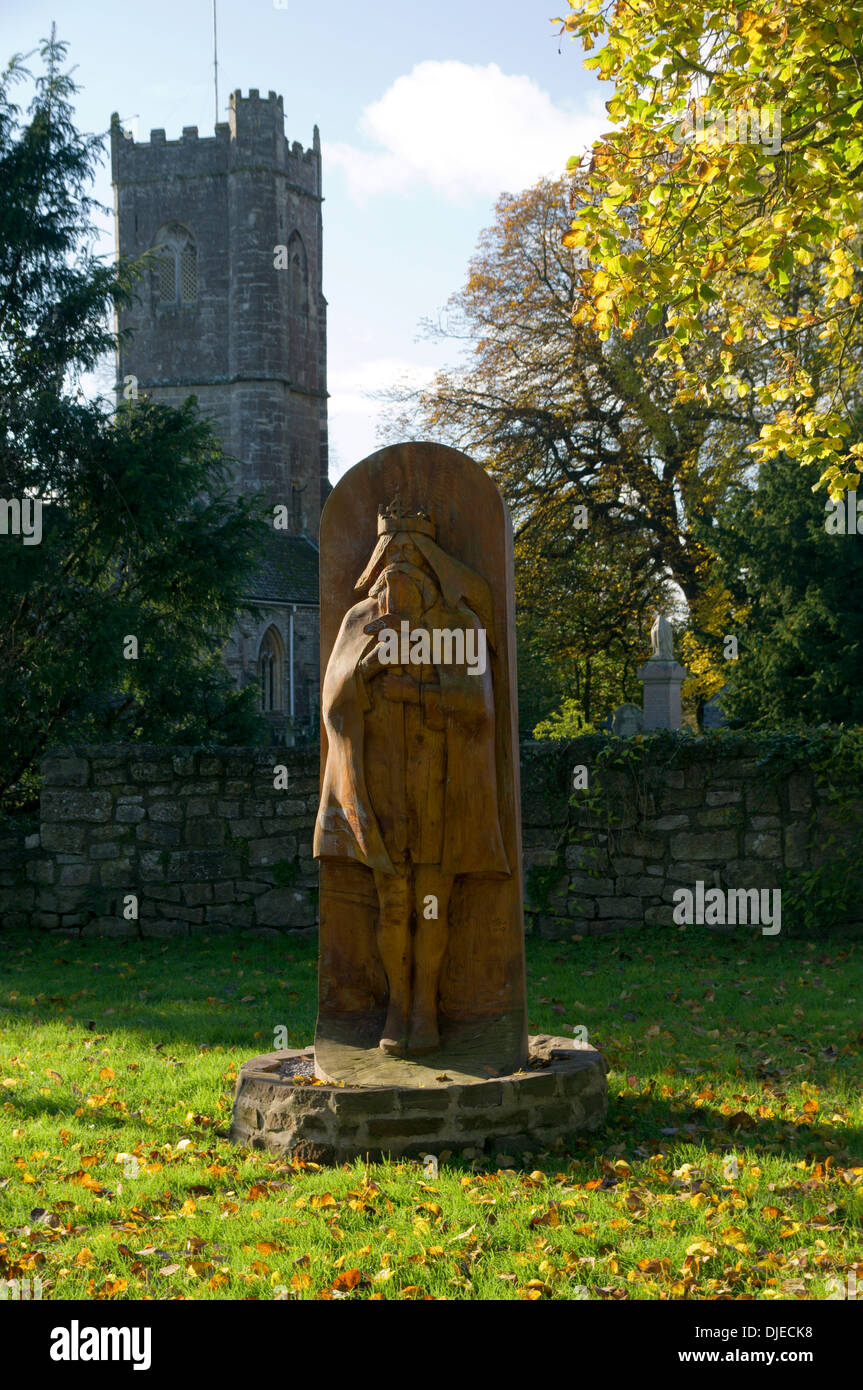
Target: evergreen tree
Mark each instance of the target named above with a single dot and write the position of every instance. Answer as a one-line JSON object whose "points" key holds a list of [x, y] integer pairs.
{"points": [[140, 538], [800, 656]]}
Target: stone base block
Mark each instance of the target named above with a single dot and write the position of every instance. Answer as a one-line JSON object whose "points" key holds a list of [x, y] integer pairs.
{"points": [[561, 1092]]}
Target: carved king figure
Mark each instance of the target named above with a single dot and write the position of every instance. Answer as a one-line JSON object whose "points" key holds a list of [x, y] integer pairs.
{"points": [[409, 786]]}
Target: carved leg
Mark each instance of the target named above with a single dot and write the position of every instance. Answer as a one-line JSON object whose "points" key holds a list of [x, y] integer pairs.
{"points": [[394, 944], [432, 893]]}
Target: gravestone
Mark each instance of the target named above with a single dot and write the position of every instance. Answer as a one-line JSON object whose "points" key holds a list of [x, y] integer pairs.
{"points": [[421, 1040], [714, 714], [418, 832], [627, 721]]}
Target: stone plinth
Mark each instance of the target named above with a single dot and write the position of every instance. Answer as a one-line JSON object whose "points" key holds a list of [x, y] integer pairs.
{"points": [[662, 681], [561, 1092]]}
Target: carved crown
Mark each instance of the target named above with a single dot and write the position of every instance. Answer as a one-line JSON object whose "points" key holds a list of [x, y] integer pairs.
{"points": [[394, 518]]}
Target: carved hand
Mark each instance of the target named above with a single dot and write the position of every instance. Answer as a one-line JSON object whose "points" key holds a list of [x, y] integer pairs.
{"points": [[371, 664]]}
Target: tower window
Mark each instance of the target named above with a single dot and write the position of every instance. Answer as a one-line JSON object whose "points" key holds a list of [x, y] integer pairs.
{"points": [[188, 274], [271, 671], [299, 270], [176, 268], [167, 274]]}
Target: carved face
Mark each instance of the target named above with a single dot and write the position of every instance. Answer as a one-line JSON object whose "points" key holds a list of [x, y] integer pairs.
{"points": [[402, 549], [408, 581]]}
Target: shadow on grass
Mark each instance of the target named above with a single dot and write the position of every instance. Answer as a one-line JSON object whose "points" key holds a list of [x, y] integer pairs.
{"points": [[217, 991], [639, 1119], [230, 993]]}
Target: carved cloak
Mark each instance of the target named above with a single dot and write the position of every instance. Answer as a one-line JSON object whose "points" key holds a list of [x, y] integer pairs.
{"points": [[347, 827]]}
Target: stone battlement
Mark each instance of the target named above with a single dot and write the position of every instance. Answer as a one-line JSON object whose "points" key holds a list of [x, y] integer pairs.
{"points": [[255, 130]]}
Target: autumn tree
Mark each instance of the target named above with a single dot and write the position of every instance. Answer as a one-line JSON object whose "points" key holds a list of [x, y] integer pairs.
{"points": [[585, 604], [564, 420], [737, 150]]}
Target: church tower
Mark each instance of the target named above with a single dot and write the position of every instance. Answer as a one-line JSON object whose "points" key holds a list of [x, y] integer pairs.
{"points": [[233, 312]]}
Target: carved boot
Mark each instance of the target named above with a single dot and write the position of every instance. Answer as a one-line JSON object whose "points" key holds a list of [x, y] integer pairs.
{"points": [[394, 1041], [424, 1035]]}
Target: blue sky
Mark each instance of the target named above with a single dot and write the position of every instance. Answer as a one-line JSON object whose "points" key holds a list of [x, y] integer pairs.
{"points": [[426, 112]]}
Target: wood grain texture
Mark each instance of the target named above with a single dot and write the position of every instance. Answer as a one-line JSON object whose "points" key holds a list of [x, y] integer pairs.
{"points": [[420, 778]]}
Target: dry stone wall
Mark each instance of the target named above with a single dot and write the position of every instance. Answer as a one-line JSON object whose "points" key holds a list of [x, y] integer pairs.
{"points": [[146, 841], [646, 822], [138, 840]]}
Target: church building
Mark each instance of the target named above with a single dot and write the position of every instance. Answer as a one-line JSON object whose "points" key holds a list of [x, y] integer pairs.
{"points": [[233, 313]]}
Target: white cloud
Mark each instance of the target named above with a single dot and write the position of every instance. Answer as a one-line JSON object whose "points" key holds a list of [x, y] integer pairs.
{"points": [[463, 131], [354, 416], [349, 386]]}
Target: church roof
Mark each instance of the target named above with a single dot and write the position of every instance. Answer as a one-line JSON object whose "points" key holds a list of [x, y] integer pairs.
{"points": [[287, 571]]}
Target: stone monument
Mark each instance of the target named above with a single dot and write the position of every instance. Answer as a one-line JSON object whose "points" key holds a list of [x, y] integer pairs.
{"points": [[421, 1039], [662, 677]]}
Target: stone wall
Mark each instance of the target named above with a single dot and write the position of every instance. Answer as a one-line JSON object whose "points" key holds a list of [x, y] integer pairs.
{"points": [[17, 891], [204, 841], [673, 812]]}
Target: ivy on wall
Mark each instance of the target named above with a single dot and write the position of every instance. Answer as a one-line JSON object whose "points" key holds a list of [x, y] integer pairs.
{"points": [[628, 784]]}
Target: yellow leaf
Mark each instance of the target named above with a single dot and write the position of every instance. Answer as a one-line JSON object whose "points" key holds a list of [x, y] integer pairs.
{"points": [[703, 1248], [112, 1287]]}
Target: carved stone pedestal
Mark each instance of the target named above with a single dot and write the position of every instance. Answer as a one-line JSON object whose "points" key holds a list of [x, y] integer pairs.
{"points": [[662, 681], [561, 1092]]}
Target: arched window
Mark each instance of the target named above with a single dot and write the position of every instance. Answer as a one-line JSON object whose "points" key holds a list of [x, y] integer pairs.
{"points": [[271, 671], [176, 268], [298, 264]]}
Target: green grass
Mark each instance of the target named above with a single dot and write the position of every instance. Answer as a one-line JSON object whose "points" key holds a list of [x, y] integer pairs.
{"points": [[730, 1167]]}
